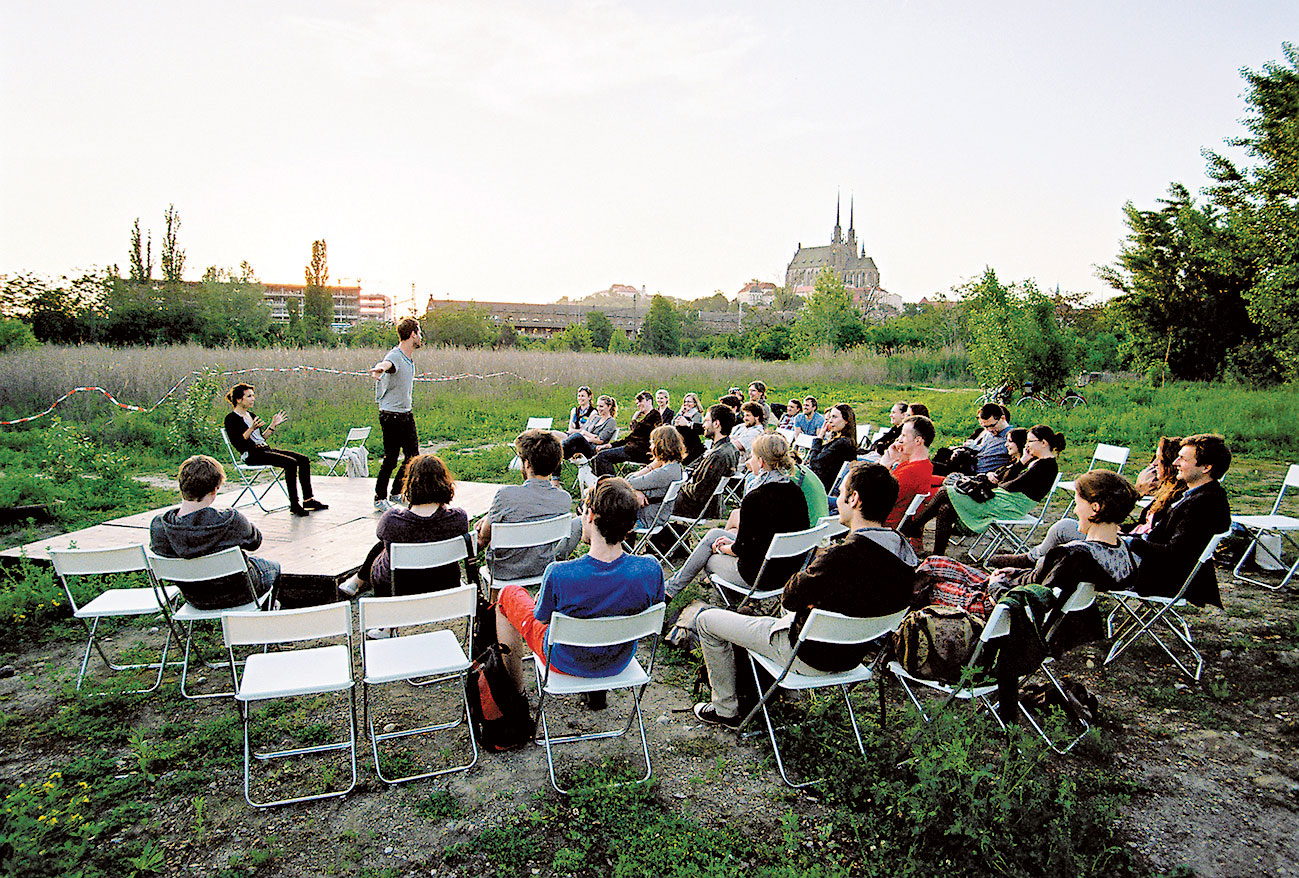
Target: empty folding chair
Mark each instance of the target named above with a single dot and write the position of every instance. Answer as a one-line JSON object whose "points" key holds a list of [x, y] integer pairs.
{"points": [[533, 424], [249, 476], [822, 626], [1146, 615], [427, 656], [113, 602], [1013, 532], [227, 562], [292, 673], [1115, 454], [783, 545], [1273, 524], [606, 631], [526, 535], [644, 536], [356, 438]]}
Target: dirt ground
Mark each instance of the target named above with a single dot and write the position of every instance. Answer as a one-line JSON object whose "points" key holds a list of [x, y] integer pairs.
{"points": [[1212, 766]]}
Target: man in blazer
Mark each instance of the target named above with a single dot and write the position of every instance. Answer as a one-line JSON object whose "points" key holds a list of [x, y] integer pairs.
{"points": [[1179, 535]]}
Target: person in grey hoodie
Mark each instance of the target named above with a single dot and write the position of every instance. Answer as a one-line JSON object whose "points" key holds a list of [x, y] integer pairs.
{"points": [[194, 529]]}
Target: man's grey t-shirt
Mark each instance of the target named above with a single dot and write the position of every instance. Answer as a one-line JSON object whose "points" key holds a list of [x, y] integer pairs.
{"points": [[992, 451], [393, 390], [534, 499]]}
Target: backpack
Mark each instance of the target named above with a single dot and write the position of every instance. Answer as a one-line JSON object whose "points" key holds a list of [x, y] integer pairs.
{"points": [[941, 580], [500, 713], [936, 642]]}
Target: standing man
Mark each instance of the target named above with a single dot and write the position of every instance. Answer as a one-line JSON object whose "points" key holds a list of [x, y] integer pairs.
{"points": [[809, 420], [395, 381]]}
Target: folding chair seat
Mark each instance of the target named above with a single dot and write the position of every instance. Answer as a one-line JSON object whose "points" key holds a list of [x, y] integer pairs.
{"points": [[249, 475], [435, 656], [1115, 454], [1272, 524], [113, 602], [645, 535], [981, 694], [533, 424], [1145, 615], [822, 626], [1013, 532], [606, 631], [526, 535], [783, 545], [356, 438], [227, 562], [292, 673]]}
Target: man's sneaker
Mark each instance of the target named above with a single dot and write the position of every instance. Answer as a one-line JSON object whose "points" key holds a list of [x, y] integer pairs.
{"points": [[704, 711], [350, 587], [382, 505], [394, 499], [378, 633]]}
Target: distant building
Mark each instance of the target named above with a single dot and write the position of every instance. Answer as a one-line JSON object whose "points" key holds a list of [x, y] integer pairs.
{"points": [[375, 306], [757, 293], [849, 261], [347, 302]]}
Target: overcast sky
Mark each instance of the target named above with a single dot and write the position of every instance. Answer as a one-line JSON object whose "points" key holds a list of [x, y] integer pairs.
{"points": [[530, 150]]}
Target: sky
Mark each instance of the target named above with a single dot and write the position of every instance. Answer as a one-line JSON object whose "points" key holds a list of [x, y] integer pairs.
{"points": [[523, 151]]}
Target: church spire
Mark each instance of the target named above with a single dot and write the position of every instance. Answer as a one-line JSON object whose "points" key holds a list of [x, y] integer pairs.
{"points": [[852, 231], [838, 229]]}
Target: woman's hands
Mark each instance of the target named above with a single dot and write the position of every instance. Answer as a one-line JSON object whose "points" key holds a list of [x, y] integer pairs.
{"points": [[722, 546]]}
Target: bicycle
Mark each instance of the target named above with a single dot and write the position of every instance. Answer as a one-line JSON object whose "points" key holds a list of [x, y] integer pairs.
{"points": [[1071, 398], [1002, 395]]}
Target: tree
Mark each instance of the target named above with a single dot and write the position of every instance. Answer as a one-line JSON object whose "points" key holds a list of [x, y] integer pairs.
{"points": [[141, 256], [574, 337], [785, 299], [459, 327], [619, 343], [317, 298], [1262, 213], [295, 318], [661, 332], [1183, 273], [774, 343], [600, 327], [232, 307], [829, 317], [173, 258], [1015, 336]]}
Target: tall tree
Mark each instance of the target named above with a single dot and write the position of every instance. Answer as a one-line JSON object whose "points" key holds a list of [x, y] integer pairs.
{"points": [[661, 331], [141, 256], [600, 327], [173, 258], [317, 299], [829, 317]]}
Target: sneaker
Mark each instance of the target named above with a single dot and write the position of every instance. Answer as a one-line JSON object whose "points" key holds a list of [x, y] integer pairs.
{"points": [[382, 505], [299, 511], [350, 587], [394, 499], [314, 505], [378, 633], [705, 713]]}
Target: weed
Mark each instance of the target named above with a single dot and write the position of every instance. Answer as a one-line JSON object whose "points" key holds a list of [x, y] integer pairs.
{"points": [[440, 805], [150, 860], [198, 802]]}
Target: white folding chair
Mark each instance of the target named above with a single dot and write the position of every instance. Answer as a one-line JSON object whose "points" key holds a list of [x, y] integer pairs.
{"points": [[645, 535], [1083, 597], [1272, 524], [1115, 454], [912, 508], [533, 424], [998, 626], [249, 476], [527, 535], [410, 560], [734, 491], [838, 479], [427, 656], [1013, 532], [783, 545], [684, 525], [113, 602], [832, 526], [356, 438], [863, 430], [822, 626], [787, 432], [606, 631], [292, 673], [227, 562], [803, 441], [1143, 613]]}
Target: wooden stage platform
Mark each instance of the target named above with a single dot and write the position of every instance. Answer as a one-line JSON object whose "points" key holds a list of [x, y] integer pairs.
{"points": [[316, 553]]}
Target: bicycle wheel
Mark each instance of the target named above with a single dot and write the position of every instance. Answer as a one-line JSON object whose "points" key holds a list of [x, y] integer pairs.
{"points": [[1030, 402], [1072, 401]]}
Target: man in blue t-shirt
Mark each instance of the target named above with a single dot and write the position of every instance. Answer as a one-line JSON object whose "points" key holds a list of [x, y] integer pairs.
{"points": [[809, 420], [605, 582]]}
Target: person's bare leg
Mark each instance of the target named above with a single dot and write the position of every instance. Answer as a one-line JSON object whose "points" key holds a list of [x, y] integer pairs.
{"points": [[509, 637], [733, 521]]}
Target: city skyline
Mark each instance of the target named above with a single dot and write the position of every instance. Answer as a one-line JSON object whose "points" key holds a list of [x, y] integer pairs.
{"points": [[510, 152]]}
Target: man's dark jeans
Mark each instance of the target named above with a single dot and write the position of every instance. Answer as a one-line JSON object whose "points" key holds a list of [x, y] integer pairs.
{"points": [[398, 438]]}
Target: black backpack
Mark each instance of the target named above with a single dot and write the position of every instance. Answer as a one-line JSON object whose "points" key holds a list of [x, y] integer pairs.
{"points": [[500, 713]]}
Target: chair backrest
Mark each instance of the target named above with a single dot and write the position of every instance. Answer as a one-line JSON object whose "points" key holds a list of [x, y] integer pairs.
{"points": [[358, 434], [606, 630], [832, 525], [419, 609], [420, 556], [1116, 454], [795, 542], [803, 440], [787, 432], [1084, 595], [234, 457], [227, 562], [1291, 481], [527, 534], [863, 430], [540, 423], [97, 562], [998, 624], [827, 627], [912, 508], [287, 626], [664, 511], [838, 479]]}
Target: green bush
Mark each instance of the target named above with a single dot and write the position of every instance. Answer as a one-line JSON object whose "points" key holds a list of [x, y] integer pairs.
{"points": [[15, 335]]}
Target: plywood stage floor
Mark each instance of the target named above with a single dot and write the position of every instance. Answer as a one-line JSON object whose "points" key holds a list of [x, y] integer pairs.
{"points": [[315, 553]]}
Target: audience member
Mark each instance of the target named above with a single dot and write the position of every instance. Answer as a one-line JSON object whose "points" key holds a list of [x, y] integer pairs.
{"points": [[599, 431], [718, 463], [758, 394], [792, 411], [636, 446], [918, 410], [750, 429], [690, 424], [429, 487], [604, 582], [579, 414], [910, 463], [834, 445], [195, 529], [870, 573], [897, 415], [775, 505], [537, 498], [809, 420], [662, 400], [651, 483]]}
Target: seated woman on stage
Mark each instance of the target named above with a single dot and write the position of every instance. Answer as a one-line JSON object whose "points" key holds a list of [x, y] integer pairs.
{"points": [[1011, 497], [428, 489], [247, 434], [593, 438]]}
